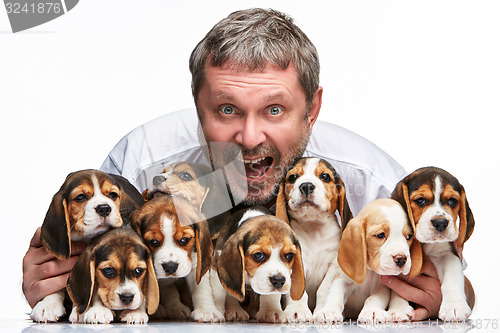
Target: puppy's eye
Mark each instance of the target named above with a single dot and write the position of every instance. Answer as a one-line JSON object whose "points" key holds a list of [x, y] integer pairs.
{"points": [[184, 241], [325, 177], [259, 257], [420, 201], [108, 272], [138, 271], [381, 235], [292, 178], [186, 176], [452, 202], [154, 243], [289, 256], [409, 236], [113, 195], [81, 198]]}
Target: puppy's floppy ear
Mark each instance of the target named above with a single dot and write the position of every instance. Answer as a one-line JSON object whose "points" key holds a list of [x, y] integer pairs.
{"points": [[281, 203], [417, 258], [204, 248], [401, 195], [56, 229], [231, 268], [152, 292], [131, 198], [298, 279], [352, 257], [81, 280], [145, 195], [343, 205], [467, 222]]}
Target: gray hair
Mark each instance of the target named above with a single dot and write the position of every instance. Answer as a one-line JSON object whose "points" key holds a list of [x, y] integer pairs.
{"points": [[249, 40]]}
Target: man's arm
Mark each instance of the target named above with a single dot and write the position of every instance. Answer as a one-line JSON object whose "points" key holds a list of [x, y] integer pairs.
{"points": [[43, 274], [425, 291]]}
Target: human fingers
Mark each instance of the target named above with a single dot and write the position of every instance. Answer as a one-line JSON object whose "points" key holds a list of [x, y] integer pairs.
{"points": [[42, 288], [420, 313], [35, 240]]}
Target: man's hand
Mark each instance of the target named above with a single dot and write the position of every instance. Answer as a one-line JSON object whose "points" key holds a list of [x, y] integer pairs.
{"points": [[43, 274], [423, 290]]}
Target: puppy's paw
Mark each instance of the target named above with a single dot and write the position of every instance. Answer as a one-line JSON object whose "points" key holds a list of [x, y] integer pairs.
{"points": [[298, 314], [401, 313], [236, 314], [328, 315], [371, 316], [50, 309], [177, 311], [73, 317], [98, 315], [270, 316], [207, 316], [454, 311], [134, 317]]}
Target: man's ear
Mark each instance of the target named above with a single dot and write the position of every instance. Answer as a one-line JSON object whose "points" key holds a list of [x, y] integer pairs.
{"points": [[313, 112]]}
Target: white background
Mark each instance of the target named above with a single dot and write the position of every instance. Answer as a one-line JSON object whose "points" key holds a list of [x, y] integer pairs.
{"points": [[420, 79]]}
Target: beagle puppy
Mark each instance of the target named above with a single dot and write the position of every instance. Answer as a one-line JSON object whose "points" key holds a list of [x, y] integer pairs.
{"points": [[309, 199], [114, 273], [436, 204], [378, 241], [258, 250], [178, 237], [89, 203], [196, 183]]}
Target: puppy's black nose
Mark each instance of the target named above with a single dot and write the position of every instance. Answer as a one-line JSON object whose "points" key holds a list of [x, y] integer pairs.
{"points": [[306, 188], [103, 210], [277, 281], [126, 298], [170, 267], [400, 260], [157, 180], [440, 224]]}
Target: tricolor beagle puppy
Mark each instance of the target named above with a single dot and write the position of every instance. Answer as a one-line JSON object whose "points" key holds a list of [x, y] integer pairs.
{"points": [[376, 242], [197, 184], [436, 204], [114, 273], [259, 250], [309, 197], [89, 203], [178, 237]]}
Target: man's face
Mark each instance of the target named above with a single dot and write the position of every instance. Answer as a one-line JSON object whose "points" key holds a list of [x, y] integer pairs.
{"points": [[264, 113]]}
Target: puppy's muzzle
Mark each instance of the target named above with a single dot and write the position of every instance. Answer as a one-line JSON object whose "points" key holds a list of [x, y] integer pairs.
{"points": [[126, 298], [103, 210], [440, 224], [277, 281], [400, 260], [157, 180], [307, 188], [170, 267]]}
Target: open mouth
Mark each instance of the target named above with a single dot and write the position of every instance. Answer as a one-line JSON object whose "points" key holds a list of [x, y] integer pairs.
{"points": [[257, 167]]}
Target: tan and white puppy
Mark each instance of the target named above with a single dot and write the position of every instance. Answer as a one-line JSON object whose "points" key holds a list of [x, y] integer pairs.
{"points": [[258, 250], [376, 242], [309, 197], [436, 203], [196, 183], [89, 203], [114, 273], [178, 237]]}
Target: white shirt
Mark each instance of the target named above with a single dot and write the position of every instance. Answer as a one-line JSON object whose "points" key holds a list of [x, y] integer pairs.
{"points": [[367, 171]]}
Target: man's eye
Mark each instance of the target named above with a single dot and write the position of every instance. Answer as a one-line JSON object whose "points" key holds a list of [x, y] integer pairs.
{"points": [[186, 176], [275, 110], [108, 272], [259, 257], [227, 109]]}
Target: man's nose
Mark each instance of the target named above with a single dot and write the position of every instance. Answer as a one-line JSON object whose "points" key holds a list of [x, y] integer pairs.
{"points": [[251, 132]]}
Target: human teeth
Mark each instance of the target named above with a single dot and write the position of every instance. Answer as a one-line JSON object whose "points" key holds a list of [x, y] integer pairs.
{"points": [[252, 161]]}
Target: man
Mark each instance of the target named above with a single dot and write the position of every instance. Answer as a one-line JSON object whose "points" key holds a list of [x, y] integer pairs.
{"points": [[255, 82]]}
